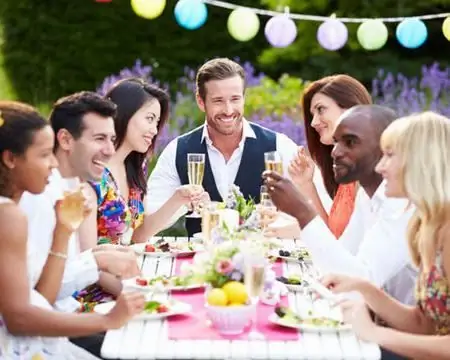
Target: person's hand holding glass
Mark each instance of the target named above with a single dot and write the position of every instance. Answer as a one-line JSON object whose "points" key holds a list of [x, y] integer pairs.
{"points": [[196, 170], [73, 208]]}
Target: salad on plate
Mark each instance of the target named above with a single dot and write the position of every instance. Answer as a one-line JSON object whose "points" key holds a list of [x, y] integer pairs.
{"points": [[311, 321], [167, 283]]}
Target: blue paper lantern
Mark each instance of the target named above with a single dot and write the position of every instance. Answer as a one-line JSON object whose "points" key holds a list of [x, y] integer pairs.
{"points": [[191, 14], [411, 33]]}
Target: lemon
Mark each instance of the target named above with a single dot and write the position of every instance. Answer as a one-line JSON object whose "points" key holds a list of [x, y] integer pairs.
{"points": [[235, 292], [217, 297], [234, 304]]}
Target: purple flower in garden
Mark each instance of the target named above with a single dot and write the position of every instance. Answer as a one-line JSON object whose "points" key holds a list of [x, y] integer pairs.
{"points": [[411, 95]]}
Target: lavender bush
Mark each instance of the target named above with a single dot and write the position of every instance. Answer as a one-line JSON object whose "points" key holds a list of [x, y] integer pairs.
{"points": [[430, 91]]}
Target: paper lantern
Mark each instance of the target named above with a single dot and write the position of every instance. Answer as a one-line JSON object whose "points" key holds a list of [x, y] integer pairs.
{"points": [[280, 31], [372, 34], [332, 34], [446, 28], [191, 14], [148, 9], [243, 24], [411, 33]]}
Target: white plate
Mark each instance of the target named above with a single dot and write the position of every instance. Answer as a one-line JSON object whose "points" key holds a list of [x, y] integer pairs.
{"points": [[275, 319], [131, 284], [275, 253], [176, 308], [140, 250]]}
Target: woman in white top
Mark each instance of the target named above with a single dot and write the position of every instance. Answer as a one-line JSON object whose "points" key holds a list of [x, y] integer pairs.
{"points": [[29, 328]]}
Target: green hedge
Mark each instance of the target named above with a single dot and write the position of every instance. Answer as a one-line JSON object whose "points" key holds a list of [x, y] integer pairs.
{"points": [[54, 47]]}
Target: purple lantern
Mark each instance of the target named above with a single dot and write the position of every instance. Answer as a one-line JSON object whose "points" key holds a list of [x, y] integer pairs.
{"points": [[332, 34], [280, 31]]}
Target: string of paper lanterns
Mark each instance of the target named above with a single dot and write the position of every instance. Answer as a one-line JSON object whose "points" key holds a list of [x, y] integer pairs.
{"points": [[243, 24]]}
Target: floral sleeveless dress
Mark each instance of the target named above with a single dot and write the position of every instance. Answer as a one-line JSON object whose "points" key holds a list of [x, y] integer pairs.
{"points": [[116, 220], [433, 296], [37, 347]]}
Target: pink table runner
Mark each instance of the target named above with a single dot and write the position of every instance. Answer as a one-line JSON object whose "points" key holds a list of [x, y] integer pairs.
{"points": [[196, 326]]}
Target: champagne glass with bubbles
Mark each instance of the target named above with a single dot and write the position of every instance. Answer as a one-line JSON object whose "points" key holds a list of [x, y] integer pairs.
{"points": [[255, 267], [273, 162], [196, 170]]}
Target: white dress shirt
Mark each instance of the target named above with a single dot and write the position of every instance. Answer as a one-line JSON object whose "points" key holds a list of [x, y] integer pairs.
{"points": [[164, 179], [81, 269], [373, 245]]}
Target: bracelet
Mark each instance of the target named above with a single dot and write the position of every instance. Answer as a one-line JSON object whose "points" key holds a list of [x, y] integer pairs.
{"points": [[58, 254]]}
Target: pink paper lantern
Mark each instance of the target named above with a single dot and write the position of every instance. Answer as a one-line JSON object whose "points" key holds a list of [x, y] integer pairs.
{"points": [[280, 31], [332, 34]]}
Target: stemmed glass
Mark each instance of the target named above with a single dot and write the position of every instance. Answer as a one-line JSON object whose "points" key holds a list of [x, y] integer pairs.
{"points": [[255, 266], [210, 219], [196, 170], [266, 207], [72, 206], [273, 162]]}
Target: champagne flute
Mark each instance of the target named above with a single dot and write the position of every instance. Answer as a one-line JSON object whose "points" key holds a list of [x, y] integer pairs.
{"points": [[267, 209], [264, 194], [210, 219], [273, 162], [254, 276], [72, 206], [196, 170]]}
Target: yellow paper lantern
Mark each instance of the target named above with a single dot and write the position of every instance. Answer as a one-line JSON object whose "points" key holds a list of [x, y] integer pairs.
{"points": [[372, 34], [446, 28], [243, 24], [148, 9]]}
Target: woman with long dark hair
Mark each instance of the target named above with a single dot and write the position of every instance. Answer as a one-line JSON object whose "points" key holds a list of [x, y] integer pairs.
{"points": [[323, 102]]}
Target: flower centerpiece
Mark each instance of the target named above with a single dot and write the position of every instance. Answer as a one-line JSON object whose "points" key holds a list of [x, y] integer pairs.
{"points": [[236, 201], [228, 303]]}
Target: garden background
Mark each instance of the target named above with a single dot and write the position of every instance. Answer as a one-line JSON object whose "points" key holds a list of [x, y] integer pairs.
{"points": [[50, 48]]}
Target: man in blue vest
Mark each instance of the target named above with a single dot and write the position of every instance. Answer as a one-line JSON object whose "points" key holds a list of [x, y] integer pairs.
{"points": [[234, 148]]}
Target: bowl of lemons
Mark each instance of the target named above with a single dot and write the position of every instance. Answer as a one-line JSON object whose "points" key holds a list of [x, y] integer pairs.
{"points": [[229, 308]]}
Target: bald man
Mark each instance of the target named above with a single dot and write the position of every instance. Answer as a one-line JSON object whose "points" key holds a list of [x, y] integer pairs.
{"points": [[373, 245]]}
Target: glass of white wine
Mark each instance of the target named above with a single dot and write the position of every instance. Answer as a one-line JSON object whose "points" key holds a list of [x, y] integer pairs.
{"points": [[196, 170], [273, 162], [254, 275], [72, 206]]}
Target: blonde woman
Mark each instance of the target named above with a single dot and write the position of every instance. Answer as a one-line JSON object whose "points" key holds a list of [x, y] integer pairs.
{"points": [[416, 165]]}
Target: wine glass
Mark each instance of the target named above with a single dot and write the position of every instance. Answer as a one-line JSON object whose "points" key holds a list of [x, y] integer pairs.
{"points": [[196, 170], [72, 205], [210, 219], [255, 266], [273, 162]]}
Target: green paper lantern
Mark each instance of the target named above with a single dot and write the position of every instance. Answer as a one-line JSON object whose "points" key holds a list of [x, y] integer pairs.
{"points": [[243, 24], [446, 28], [148, 9], [372, 34]]}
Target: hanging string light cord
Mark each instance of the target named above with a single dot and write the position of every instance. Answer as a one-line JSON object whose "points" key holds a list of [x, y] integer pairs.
{"points": [[227, 5]]}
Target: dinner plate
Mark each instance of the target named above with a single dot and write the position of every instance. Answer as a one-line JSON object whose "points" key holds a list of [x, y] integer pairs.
{"points": [[176, 308], [275, 319], [131, 284], [275, 253], [140, 250]]}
